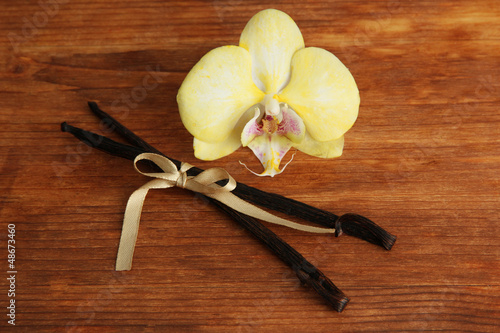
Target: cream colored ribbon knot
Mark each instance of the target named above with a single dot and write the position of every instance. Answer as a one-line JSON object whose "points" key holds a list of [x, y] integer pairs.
{"points": [[204, 183]]}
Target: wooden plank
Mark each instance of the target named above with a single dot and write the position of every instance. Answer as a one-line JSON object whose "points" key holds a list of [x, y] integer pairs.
{"points": [[422, 160]]}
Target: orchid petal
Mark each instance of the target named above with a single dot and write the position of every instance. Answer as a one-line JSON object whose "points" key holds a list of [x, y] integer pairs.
{"points": [[251, 129], [270, 149], [211, 151], [324, 149], [323, 93], [216, 93], [271, 37], [291, 125]]}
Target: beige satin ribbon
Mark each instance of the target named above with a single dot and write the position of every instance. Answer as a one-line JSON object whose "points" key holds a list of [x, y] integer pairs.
{"points": [[204, 183]]}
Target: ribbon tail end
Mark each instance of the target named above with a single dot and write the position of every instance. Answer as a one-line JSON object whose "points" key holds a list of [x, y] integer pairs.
{"points": [[122, 267]]}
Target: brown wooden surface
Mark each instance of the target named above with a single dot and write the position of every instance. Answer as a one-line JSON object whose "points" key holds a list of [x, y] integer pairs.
{"points": [[422, 160]]}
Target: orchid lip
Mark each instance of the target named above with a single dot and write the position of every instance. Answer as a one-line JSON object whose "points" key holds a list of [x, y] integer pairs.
{"points": [[270, 137]]}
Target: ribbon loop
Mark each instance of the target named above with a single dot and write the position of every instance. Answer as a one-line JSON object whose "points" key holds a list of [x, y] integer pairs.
{"points": [[204, 183], [211, 176]]}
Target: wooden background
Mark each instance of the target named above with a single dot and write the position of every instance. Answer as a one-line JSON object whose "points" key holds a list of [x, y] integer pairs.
{"points": [[422, 160]]}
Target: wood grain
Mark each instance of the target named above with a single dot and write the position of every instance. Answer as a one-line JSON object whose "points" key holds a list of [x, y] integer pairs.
{"points": [[422, 160]]}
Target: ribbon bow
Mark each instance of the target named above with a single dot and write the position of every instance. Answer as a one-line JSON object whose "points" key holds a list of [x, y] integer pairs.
{"points": [[204, 183]]}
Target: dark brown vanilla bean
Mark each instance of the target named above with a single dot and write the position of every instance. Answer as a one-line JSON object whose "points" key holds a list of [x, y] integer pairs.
{"points": [[350, 224], [103, 143], [306, 272], [127, 134]]}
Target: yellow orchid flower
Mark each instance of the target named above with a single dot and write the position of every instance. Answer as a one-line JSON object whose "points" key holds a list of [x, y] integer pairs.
{"points": [[270, 93]]}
